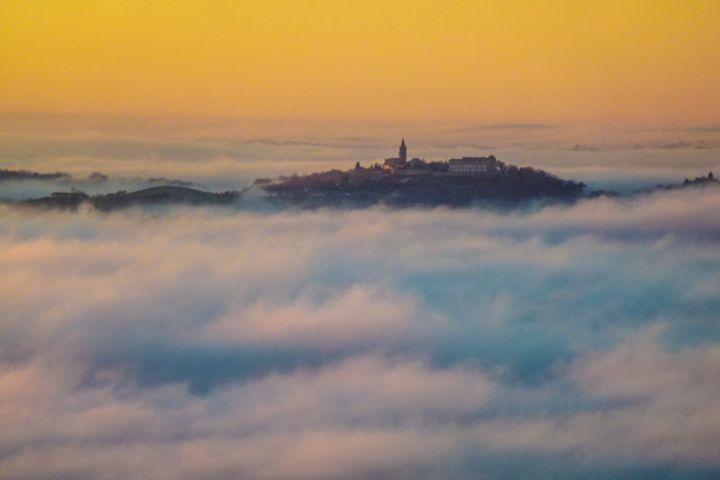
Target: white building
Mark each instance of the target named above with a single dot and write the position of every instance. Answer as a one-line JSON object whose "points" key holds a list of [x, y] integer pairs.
{"points": [[473, 165]]}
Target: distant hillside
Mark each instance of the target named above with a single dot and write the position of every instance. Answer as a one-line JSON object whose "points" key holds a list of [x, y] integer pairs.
{"points": [[708, 181], [121, 199], [28, 175]]}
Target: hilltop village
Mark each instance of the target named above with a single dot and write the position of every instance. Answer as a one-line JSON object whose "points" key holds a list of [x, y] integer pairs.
{"points": [[398, 181], [400, 165]]}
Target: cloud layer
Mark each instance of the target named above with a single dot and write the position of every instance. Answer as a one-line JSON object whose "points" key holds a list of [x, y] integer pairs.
{"points": [[567, 342]]}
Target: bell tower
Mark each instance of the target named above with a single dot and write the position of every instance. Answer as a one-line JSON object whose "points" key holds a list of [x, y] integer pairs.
{"points": [[403, 152]]}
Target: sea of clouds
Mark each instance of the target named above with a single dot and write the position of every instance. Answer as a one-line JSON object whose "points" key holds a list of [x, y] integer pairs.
{"points": [[573, 342]]}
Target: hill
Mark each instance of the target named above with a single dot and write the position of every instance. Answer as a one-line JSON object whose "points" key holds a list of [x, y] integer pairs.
{"points": [[148, 196], [6, 175], [507, 185]]}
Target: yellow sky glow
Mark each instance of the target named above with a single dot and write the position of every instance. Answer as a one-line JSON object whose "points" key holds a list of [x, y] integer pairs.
{"points": [[631, 61]]}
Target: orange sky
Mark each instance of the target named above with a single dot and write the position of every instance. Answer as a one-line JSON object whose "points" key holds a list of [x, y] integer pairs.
{"points": [[605, 61]]}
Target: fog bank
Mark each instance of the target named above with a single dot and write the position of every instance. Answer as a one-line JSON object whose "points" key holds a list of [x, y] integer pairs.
{"points": [[569, 342]]}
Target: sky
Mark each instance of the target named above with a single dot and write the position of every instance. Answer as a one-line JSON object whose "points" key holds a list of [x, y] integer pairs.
{"points": [[566, 341], [609, 62], [617, 94]]}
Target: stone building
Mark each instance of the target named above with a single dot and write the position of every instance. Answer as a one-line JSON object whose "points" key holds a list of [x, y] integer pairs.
{"points": [[397, 163]]}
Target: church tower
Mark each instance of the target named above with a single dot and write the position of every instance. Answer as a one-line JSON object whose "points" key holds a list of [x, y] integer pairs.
{"points": [[403, 152]]}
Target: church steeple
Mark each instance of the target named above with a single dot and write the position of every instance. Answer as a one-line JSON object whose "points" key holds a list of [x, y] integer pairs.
{"points": [[403, 152]]}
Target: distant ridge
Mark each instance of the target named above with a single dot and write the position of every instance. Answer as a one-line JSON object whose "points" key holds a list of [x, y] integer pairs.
{"points": [[149, 196]]}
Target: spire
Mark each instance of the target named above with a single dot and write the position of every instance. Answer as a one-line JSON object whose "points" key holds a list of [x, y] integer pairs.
{"points": [[403, 151]]}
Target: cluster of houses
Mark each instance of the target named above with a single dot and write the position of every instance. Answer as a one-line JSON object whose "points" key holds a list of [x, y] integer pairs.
{"points": [[400, 165]]}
